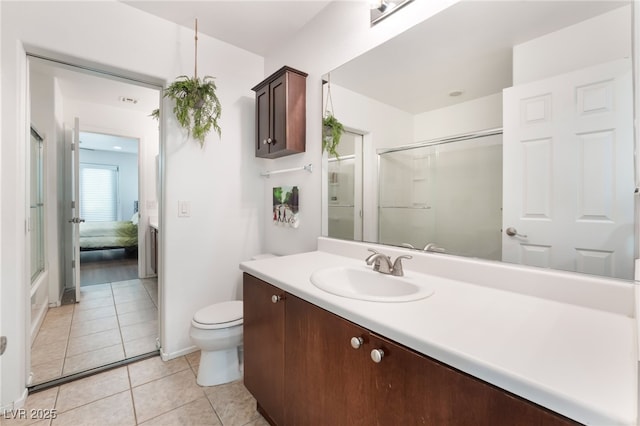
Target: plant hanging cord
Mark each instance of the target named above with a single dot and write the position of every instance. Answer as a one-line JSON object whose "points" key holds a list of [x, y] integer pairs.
{"points": [[195, 71], [329, 99]]}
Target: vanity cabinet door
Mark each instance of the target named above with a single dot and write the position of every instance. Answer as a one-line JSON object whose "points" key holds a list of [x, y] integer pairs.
{"points": [[326, 380], [414, 389], [264, 346]]}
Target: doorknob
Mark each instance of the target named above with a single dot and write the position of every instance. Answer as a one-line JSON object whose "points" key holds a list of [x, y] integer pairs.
{"points": [[76, 220], [513, 232]]}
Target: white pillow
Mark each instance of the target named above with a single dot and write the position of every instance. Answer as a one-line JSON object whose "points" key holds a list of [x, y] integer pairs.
{"points": [[135, 217]]}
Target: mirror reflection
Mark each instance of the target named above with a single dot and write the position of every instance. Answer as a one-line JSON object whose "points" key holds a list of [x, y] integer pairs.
{"points": [[511, 140]]}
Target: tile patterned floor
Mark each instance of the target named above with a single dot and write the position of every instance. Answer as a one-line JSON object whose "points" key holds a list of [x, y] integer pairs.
{"points": [[148, 392], [113, 321]]}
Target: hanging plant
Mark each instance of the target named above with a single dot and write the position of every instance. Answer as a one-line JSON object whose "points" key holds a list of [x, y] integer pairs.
{"points": [[332, 129], [197, 108], [196, 105]]}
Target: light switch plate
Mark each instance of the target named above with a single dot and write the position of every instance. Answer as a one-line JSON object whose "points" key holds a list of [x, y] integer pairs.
{"points": [[184, 209]]}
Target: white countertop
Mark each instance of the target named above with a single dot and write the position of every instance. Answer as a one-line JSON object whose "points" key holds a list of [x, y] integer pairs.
{"points": [[577, 361]]}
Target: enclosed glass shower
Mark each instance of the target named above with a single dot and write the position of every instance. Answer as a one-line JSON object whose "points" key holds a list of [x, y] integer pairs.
{"points": [[443, 195]]}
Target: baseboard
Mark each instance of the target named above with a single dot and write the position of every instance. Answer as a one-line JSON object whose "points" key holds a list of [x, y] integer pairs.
{"points": [[168, 356], [15, 405]]}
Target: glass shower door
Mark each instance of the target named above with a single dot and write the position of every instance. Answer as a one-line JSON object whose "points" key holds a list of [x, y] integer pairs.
{"points": [[446, 194]]}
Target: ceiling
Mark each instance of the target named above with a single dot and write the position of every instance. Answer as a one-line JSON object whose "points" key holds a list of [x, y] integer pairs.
{"points": [[472, 35], [254, 25], [467, 47]]}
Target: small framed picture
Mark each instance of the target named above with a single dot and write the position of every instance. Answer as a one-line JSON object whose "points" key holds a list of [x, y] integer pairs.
{"points": [[285, 206]]}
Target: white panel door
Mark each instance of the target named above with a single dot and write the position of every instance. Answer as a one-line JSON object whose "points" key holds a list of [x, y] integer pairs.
{"points": [[568, 172], [75, 207]]}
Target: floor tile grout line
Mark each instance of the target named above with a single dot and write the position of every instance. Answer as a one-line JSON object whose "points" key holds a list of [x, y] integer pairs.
{"points": [[204, 394], [124, 351], [133, 401], [72, 315], [66, 347]]}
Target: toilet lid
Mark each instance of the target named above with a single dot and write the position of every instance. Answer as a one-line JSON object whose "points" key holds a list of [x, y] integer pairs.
{"points": [[220, 313]]}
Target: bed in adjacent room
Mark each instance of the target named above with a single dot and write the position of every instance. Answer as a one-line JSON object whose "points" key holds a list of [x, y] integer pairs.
{"points": [[109, 235]]}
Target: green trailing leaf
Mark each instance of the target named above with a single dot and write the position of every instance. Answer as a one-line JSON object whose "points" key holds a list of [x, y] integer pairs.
{"points": [[332, 131], [155, 114], [197, 107]]}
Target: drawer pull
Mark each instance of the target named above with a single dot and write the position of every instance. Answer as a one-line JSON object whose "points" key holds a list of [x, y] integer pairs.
{"points": [[377, 355], [356, 342]]}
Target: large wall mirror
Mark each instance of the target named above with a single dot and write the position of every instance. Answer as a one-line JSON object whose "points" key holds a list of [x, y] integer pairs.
{"points": [[496, 130]]}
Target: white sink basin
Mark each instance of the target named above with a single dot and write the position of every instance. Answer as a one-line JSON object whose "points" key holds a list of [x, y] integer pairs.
{"points": [[365, 284]]}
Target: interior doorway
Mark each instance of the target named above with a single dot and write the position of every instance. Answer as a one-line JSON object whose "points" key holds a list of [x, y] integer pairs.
{"points": [[114, 314], [109, 206]]}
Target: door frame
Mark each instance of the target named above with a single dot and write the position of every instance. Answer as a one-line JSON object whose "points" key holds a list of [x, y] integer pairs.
{"points": [[25, 119]]}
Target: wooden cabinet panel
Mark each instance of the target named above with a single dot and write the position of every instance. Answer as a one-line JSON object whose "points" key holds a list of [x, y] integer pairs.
{"points": [[325, 381], [262, 121], [263, 328], [411, 388], [302, 369], [281, 114], [154, 249]]}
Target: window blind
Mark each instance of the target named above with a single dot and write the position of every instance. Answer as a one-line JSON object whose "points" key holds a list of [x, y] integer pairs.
{"points": [[98, 192]]}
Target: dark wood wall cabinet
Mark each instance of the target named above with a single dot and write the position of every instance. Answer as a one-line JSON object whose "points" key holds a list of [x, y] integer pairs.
{"points": [[307, 366], [281, 118]]}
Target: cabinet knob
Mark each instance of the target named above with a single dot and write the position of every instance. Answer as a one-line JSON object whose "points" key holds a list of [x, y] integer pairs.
{"points": [[356, 342], [275, 298], [377, 355], [269, 140], [264, 142]]}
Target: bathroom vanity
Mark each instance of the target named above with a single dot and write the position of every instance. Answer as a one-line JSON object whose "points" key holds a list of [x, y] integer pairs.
{"points": [[469, 353]]}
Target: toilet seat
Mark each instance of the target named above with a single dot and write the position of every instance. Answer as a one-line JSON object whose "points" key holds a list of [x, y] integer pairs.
{"points": [[219, 315]]}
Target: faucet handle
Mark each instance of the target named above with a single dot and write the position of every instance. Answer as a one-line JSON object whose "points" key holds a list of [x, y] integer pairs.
{"points": [[369, 258], [397, 265]]}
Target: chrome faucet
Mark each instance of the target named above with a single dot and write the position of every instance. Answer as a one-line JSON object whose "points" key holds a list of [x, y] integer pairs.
{"points": [[382, 263]]}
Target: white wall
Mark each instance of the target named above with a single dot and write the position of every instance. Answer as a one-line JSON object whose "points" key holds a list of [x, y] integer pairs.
{"points": [[608, 37], [45, 115], [199, 261], [338, 34], [466, 117]]}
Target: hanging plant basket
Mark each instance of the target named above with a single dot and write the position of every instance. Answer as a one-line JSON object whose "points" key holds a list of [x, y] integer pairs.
{"points": [[332, 131], [196, 105]]}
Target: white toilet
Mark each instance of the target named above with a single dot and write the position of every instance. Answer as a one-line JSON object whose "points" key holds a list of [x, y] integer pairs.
{"points": [[217, 331]]}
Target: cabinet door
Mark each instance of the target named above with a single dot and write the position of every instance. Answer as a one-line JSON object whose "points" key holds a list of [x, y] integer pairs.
{"points": [[414, 389], [262, 121], [264, 346], [278, 119], [325, 383]]}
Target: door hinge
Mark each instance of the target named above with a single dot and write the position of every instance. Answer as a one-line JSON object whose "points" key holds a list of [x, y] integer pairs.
{"points": [[73, 204], [3, 344], [73, 264], [73, 146]]}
